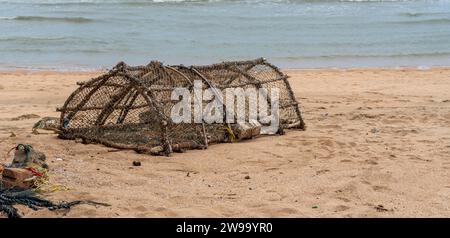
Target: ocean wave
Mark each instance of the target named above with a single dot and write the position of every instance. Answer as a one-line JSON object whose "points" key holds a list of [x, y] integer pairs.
{"points": [[29, 41], [362, 56], [422, 14], [49, 2], [423, 21], [190, 1], [51, 19], [65, 51]]}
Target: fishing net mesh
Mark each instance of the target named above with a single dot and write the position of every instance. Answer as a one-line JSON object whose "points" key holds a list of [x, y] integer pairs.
{"points": [[130, 107]]}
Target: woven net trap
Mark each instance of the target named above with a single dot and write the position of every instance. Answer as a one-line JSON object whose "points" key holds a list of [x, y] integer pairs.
{"points": [[129, 107]]}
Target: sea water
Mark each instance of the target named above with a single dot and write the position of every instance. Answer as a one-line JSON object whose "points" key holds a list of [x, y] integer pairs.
{"points": [[96, 34]]}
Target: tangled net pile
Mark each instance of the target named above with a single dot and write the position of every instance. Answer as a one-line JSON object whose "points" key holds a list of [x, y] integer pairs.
{"points": [[129, 107], [14, 196]]}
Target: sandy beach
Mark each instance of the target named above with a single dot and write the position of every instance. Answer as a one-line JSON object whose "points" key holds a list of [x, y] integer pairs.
{"points": [[377, 144]]}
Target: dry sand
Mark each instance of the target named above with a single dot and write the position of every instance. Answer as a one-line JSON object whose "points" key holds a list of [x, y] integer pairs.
{"points": [[377, 145]]}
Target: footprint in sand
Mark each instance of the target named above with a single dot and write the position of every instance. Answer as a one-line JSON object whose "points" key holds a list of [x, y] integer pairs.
{"points": [[279, 212], [329, 127], [393, 121], [380, 188], [306, 143], [341, 144], [341, 208], [323, 171], [285, 211], [404, 132], [327, 143], [140, 208], [25, 117], [365, 116], [346, 192], [272, 154], [272, 196], [344, 199], [418, 159], [164, 211], [271, 169], [370, 161]]}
